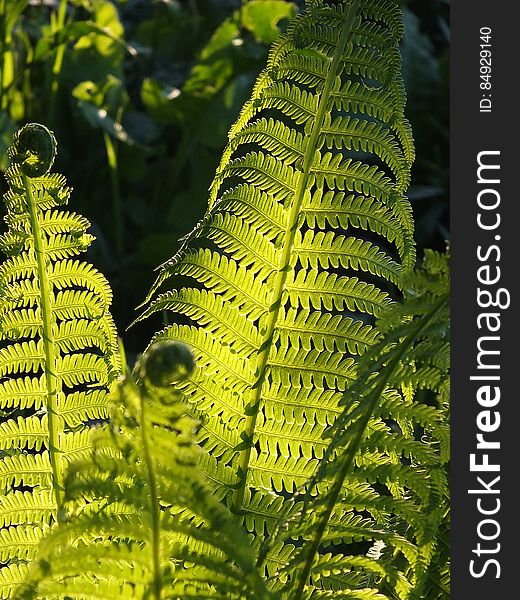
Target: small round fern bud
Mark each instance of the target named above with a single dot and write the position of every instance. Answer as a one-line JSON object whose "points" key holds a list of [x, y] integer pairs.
{"points": [[166, 362], [34, 149]]}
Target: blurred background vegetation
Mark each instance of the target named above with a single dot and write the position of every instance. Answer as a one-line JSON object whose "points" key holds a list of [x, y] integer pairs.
{"points": [[141, 94]]}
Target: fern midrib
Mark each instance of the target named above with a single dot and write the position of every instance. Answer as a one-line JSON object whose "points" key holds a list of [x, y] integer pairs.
{"points": [[154, 501], [53, 383], [284, 268]]}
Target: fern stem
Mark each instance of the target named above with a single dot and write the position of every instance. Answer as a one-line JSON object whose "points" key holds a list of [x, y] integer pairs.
{"points": [[154, 500], [53, 383], [284, 263], [354, 446], [175, 168]]}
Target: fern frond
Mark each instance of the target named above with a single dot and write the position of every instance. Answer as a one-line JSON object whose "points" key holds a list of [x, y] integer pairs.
{"points": [[56, 335], [156, 530], [303, 247]]}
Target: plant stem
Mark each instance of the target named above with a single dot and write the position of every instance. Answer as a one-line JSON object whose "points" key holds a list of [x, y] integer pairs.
{"points": [[117, 205], [284, 263], [52, 380], [58, 61], [5, 36], [154, 501], [353, 447], [175, 167], [3, 24]]}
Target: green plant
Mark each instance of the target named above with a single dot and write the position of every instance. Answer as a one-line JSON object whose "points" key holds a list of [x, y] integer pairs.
{"points": [[278, 301], [321, 147], [57, 336], [156, 530]]}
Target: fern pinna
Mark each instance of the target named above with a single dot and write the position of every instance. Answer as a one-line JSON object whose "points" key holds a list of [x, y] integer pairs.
{"points": [[304, 243], [58, 349]]}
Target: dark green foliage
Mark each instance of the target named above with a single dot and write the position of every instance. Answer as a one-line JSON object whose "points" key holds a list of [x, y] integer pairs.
{"points": [[426, 73]]}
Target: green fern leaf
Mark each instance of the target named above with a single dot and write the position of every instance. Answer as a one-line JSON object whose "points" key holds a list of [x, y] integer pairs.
{"points": [[409, 359], [56, 335], [304, 245]]}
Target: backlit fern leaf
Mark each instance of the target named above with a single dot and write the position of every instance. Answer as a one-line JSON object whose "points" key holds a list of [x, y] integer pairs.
{"points": [[303, 246], [58, 348], [150, 499]]}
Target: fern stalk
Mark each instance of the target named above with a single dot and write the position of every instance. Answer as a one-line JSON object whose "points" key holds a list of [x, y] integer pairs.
{"points": [[290, 232], [49, 343], [353, 447], [154, 502], [116, 192]]}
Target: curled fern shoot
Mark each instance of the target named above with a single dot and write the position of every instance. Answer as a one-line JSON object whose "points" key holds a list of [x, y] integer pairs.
{"points": [[150, 500], [58, 351], [304, 244]]}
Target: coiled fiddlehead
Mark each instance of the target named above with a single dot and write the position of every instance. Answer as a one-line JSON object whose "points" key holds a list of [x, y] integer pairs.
{"points": [[33, 149]]}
